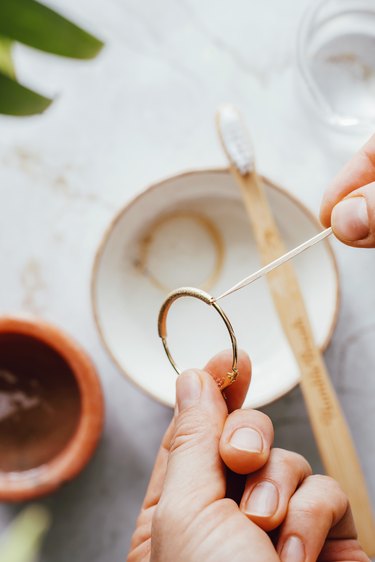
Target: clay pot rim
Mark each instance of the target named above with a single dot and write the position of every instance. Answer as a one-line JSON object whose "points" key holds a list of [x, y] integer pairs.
{"points": [[39, 481]]}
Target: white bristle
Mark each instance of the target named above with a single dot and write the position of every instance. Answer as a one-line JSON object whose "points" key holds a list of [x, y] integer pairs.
{"points": [[235, 139]]}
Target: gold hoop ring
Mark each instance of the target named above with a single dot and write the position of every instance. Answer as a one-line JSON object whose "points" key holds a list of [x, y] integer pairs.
{"points": [[231, 376]]}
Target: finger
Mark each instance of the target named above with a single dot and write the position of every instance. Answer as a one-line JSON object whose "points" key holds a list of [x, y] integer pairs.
{"points": [[353, 219], [246, 440], [358, 172], [217, 366], [142, 531], [140, 553], [155, 485], [337, 550], [318, 508], [171, 436], [221, 364], [195, 475], [267, 492], [236, 393]]}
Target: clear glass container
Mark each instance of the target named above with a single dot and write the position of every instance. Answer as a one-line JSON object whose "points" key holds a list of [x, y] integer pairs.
{"points": [[336, 58]]}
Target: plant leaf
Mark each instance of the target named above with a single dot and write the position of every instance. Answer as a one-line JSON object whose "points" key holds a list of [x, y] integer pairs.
{"points": [[22, 539], [36, 25], [16, 99], [6, 62]]}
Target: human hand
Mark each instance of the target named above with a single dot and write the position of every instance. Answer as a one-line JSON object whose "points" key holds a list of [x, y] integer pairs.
{"points": [[187, 515], [349, 202]]}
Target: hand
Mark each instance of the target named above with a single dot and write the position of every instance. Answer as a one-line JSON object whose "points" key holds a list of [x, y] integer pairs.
{"points": [[349, 203], [187, 515]]}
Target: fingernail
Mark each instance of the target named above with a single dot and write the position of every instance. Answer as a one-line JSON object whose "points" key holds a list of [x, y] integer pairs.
{"points": [[247, 439], [188, 389], [293, 550], [263, 500], [350, 219]]}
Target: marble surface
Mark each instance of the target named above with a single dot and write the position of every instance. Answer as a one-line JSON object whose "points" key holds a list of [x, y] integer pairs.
{"points": [[143, 110]]}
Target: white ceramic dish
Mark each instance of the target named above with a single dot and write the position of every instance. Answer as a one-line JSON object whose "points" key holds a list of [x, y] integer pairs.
{"points": [[192, 229]]}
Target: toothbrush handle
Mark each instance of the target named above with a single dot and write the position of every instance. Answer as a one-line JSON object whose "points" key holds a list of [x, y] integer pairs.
{"points": [[330, 428]]}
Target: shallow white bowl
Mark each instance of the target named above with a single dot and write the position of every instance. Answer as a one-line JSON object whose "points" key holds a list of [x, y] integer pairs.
{"points": [[192, 229]]}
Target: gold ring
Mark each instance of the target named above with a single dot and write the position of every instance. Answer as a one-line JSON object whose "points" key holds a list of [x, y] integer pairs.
{"points": [[231, 376]]}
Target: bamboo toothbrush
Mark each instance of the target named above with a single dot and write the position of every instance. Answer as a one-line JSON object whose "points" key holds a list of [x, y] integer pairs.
{"points": [[328, 423]]}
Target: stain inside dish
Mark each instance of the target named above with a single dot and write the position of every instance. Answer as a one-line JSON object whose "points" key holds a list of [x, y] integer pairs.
{"points": [[170, 233], [40, 403]]}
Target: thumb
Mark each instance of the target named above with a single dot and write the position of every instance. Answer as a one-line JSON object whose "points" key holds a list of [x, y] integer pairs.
{"points": [[353, 219], [195, 474]]}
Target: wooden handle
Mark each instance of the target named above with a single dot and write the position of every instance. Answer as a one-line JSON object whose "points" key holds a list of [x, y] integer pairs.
{"points": [[331, 431]]}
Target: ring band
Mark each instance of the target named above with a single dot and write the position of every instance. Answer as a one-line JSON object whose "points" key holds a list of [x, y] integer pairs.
{"points": [[231, 376]]}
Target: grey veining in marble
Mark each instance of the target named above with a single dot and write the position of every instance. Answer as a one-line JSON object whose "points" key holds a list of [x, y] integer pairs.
{"points": [[144, 109]]}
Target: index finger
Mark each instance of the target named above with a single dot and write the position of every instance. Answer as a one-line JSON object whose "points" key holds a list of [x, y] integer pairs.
{"points": [[220, 364], [359, 171]]}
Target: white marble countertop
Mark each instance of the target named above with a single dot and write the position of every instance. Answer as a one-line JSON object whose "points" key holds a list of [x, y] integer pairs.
{"points": [[143, 110]]}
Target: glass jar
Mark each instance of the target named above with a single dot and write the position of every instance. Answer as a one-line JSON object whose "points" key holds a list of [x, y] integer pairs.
{"points": [[336, 58]]}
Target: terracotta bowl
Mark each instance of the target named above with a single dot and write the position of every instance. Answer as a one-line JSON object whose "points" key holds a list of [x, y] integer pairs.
{"points": [[51, 409]]}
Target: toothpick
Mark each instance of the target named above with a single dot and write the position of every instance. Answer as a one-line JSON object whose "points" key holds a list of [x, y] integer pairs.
{"points": [[276, 263]]}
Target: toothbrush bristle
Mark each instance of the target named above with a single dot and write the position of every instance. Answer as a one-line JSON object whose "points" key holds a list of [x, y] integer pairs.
{"points": [[235, 139]]}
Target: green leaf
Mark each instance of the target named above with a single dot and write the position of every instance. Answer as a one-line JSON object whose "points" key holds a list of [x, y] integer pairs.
{"points": [[38, 26], [16, 99], [6, 62], [22, 539]]}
